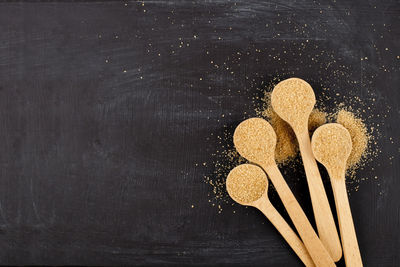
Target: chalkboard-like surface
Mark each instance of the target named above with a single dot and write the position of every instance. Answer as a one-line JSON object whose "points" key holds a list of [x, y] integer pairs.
{"points": [[106, 108]]}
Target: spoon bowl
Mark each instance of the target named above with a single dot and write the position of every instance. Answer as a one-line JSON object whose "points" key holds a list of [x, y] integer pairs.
{"points": [[293, 100], [255, 140], [246, 184], [331, 145]]}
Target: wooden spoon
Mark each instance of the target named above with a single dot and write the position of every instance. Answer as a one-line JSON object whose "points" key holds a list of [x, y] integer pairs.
{"points": [[293, 100], [331, 144], [247, 184], [255, 140]]}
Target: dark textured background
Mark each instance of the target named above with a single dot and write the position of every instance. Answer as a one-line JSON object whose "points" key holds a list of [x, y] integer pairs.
{"points": [[107, 107]]}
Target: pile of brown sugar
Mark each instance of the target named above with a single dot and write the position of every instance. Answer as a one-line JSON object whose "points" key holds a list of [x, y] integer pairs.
{"points": [[254, 139], [286, 143], [358, 133], [246, 183]]}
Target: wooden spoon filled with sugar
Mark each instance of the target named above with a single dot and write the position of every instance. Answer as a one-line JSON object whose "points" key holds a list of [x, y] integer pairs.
{"points": [[255, 140], [247, 184], [293, 100], [331, 144]]}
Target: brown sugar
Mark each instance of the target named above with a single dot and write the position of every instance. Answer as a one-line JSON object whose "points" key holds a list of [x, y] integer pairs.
{"points": [[358, 133], [286, 143], [246, 183], [316, 119]]}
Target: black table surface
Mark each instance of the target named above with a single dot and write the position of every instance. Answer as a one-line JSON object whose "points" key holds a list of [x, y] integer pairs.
{"points": [[111, 113]]}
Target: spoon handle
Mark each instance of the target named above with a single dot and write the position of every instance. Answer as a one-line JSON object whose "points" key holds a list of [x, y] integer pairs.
{"points": [[285, 230], [321, 208], [351, 250], [313, 244]]}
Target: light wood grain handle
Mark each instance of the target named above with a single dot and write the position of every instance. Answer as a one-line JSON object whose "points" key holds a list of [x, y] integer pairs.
{"points": [[310, 239], [322, 211], [351, 250], [286, 231]]}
